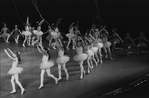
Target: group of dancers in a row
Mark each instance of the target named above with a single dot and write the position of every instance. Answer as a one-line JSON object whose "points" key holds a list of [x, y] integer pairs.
{"points": [[88, 48]]}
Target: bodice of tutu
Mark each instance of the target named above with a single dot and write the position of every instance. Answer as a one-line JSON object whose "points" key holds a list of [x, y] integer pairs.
{"points": [[45, 58], [5, 30], [60, 53], [71, 30], [27, 28], [14, 64], [79, 50]]}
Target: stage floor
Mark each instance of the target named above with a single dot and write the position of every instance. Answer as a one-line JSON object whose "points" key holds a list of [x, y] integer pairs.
{"points": [[105, 77]]}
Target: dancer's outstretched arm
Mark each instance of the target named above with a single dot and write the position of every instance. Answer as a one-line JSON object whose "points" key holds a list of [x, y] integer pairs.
{"points": [[8, 54]]}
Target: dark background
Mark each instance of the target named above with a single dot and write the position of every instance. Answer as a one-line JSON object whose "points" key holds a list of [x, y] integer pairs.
{"points": [[126, 15]]}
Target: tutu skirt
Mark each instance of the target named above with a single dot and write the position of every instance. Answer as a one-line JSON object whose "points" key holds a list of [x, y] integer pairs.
{"points": [[143, 45], [90, 52], [62, 60], [70, 35], [46, 65], [4, 35], [27, 33], [38, 32], [80, 57], [94, 49], [107, 44], [15, 70]]}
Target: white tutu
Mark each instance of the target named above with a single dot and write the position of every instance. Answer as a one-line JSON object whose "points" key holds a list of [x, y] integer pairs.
{"points": [[46, 65], [94, 49], [38, 32], [4, 34], [15, 70], [107, 44], [62, 60], [27, 33], [80, 57], [89, 52], [55, 34], [69, 35]]}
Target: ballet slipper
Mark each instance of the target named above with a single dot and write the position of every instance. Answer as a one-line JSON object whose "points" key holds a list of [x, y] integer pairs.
{"points": [[56, 81], [12, 92], [23, 45], [22, 92], [59, 78], [111, 58], [41, 86]]}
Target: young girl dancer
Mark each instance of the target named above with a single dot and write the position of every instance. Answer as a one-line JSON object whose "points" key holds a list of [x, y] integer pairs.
{"points": [[70, 36], [5, 34], [16, 34], [90, 53], [80, 57], [45, 65], [128, 44], [115, 39], [14, 71], [27, 33], [106, 44], [142, 42], [49, 37], [39, 34], [62, 60]]}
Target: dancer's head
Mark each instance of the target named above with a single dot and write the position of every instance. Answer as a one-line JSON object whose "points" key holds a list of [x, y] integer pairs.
{"points": [[47, 51], [16, 26]]}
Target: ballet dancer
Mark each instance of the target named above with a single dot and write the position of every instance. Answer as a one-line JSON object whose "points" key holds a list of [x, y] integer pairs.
{"points": [[14, 71], [45, 65], [39, 33], [80, 57], [90, 53], [106, 44], [128, 44], [70, 36], [5, 33], [27, 33], [16, 33], [142, 42], [62, 60], [49, 37], [115, 39]]}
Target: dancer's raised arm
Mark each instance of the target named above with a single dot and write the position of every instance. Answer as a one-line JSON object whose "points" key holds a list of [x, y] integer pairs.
{"points": [[8, 54]]}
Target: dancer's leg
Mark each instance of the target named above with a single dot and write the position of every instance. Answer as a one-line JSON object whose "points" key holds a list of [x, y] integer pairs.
{"points": [[13, 84], [18, 82], [59, 72], [81, 69], [69, 41], [52, 76], [66, 71], [41, 78]]}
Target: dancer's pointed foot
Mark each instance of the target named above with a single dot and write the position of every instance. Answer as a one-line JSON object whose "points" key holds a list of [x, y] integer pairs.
{"points": [[7, 41], [56, 81], [59, 78], [22, 92], [23, 45], [111, 58], [12, 92], [41, 86]]}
